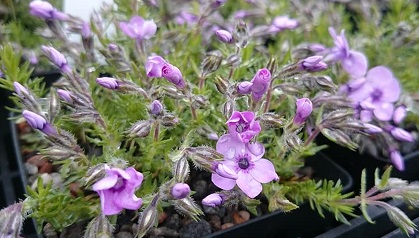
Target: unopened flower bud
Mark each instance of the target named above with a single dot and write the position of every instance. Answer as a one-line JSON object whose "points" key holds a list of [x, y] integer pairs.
{"points": [[224, 36], [38, 122], [326, 83], [173, 92], [109, 83], [99, 227], [56, 153], [85, 30], [57, 58], [180, 190], [173, 75], [399, 114], [241, 35], [313, 64], [95, 174], [11, 220], [261, 82], [245, 87], [290, 89], [304, 109], [372, 129], [140, 129], [225, 171], [45, 10], [204, 157], [397, 159], [339, 137], [211, 62], [293, 141], [401, 135], [156, 107], [228, 109], [232, 60], [66, 96], [199, 101], [271, 120], [181, 170], [188, 207], [169, 120], [20, 90], [207, 132], [221, 84], [148, 218], [212, 200], [337, 116]]}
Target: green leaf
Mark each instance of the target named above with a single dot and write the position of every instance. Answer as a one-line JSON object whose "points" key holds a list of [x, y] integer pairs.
{"points": [[363, 198]]}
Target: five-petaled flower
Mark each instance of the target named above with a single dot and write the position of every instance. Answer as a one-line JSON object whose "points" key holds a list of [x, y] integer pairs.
{"points": [[243, 125], [246, 160], [117, 190], [138, 28]]}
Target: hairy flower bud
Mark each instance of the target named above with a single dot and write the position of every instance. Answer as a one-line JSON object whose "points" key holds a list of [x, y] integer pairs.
{"points": [[228, 109], [99, 227], [20, 90], [271, 120], [399, 114], [11, 220], [401, 134], [38, 122], [173, 75], [372, 129], [188, 207], [66, 96], [181, 170], [213, 200], [173, 92], [169, 120], [156, 107], [224, 36], [304, 109], [57, 58], [148, 218], [337, 116], [326, 83], [221, 84], [233, 60], [293, 141], [199, 101], [244, 87], [211, 62], [204, 157], [261, 82], [312, 64], [109, 83], [140, 129], [180, 190], [339, 137], [241, 34], [290, 89]]}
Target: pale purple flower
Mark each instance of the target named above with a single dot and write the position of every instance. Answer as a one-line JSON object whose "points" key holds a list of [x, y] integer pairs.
{"points": [[180, 190], [66, 96], [377, 94], [108, 82], [261, 82], [372, 129], [399, 114], [397, 159], [38, 122], [117, 190], [212, 136], [224, 171], [224, 36], [212, 200], [154, 65], [85, 30], [401, 134], [20, 89], [281, 23], [173, 75], [156, 107], [45, 10], [57, 58], [304, 109], [312, 64], [138, 28], [353, 62], [186, 17], [243, 125], [246, 160], [244, 87]]}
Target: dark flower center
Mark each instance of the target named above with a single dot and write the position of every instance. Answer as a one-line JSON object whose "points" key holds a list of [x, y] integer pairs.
{"points": [[244, 162], [376, 94], [242, 126], [120, 185]]}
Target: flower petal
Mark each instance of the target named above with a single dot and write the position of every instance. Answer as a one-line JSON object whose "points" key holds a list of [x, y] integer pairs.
{"points": [[264, 171], [257, 150], [108, 206], [384, 111], [229, 145], [223, 183], [355, 64], [106, 183], [248, 184]]}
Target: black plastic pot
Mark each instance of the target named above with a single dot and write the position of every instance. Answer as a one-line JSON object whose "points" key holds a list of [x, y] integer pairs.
{"points": [[302, 222]]}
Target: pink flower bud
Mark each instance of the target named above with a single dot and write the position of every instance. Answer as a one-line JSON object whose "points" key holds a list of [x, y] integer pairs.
{"points": [[108, 82], [261, 82], [212, 200], [19, 89], [224, 36], [399, 114], [401, 134], [180, 190], [154, 66], [244, 87], [156, 107], [397, 159], [313, 64], [304, 109], [66, 96], [173, 75]]}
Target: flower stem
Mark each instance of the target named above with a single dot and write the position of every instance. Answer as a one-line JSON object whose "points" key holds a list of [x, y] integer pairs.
{"points": [[156, 131], [313, 135]]}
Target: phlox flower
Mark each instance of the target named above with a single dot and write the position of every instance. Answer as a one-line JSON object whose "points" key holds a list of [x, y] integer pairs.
{"points": [[243, 125]]}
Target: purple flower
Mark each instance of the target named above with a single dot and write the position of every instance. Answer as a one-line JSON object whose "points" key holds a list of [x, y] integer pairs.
{"points": [[304, 109], [117, 190], [45, 10], [180, 190], [173, 75], [57, 58], [243, 125], [313, 64], [185, 17], [38, 122], [224, 36], [107, 82], [401, 134], [85, 30], [246, 160], [154, 65], [261, 82], [244, 87], [397, 159], [66, 96], [212, 200], [156, 107], [353, 62], [379, 91], [399, 114], [20, 90], [281, 23], [139, 29]]}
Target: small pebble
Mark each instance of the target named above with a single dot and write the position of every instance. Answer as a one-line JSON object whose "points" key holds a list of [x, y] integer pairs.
{"points": [[164, 232], [173, 222], [31, 168], [195, 229], [56, 180], [215, 222], [124, 234], [241, 216], [162, 217], [127, 228], [46, 168], [211, 210], [226, 225]]}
